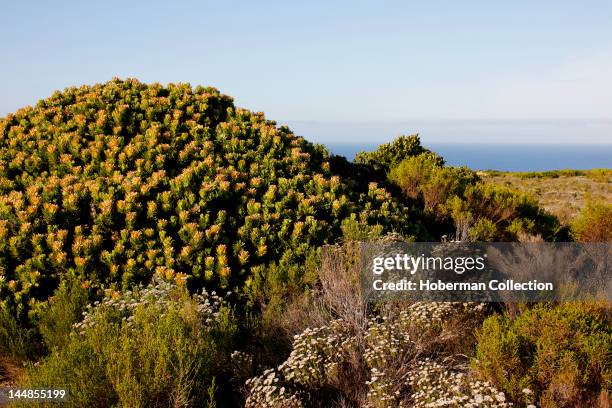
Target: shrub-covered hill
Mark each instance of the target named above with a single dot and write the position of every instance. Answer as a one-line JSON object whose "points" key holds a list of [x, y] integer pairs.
{"points": [[116, 182]]}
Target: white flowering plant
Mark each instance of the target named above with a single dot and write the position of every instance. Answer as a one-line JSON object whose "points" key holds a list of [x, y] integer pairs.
{"points": [[386, 361], [155, 345]]}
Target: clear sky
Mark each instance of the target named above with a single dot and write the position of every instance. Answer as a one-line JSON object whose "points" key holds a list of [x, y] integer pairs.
{"points": [[486, 70]]}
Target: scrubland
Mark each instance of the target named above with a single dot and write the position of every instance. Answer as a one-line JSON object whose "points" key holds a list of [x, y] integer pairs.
{"points": [[160, 246], [562, 192]]}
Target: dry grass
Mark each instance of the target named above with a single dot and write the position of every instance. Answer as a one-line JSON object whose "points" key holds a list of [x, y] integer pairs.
{"points": [[563, 193], [338, 295], [10, 372]]}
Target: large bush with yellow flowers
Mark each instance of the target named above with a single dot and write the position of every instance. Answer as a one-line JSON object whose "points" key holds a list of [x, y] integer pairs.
{"points": [[117, 182]]}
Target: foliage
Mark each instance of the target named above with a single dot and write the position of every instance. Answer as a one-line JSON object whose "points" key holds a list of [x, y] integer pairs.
{"points": [[16, 341], [594, 223], [59, 314], [479, 211], [152, 347], [561, 353], [425, 177], [600, 175], [483, 230], [512, 213], [389, 154], [117, 182]]}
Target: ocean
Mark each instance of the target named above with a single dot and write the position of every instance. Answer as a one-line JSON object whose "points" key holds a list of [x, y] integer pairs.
{"points": [[506, 156]]}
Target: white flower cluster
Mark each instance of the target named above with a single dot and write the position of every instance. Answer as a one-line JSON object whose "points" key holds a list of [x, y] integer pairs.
{"points": [[159, 292], [434, 385], [380, 390], [386, 344], [314, 360], [316, 354], [385, 338], [431, 314], [266, 391]]}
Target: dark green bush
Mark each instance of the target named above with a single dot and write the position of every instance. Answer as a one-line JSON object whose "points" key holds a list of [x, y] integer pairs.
{"points": [[59, 314], [390, 154], [561, 354], [16, 340]]}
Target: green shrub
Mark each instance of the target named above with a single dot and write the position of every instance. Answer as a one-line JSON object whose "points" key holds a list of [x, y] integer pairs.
{"points": [[354, 230], [390, 154], [551, 174], [594, 223], [59, 314], [151, 347], [16, 341], [512, 213], [600, 175], [479, 211], [561, 354], [79, 368], [483, 230], [117, 182], [425, 177], [21, 340]]}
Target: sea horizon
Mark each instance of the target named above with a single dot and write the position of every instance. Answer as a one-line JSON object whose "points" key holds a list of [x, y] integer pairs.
{"points": [[505, 156]]}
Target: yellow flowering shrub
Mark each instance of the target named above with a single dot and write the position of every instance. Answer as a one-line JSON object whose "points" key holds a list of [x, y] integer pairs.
{"points": [[115, 181]]}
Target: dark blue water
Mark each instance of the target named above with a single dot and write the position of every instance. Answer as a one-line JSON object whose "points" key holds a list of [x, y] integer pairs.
{"points": [[508, 157]]}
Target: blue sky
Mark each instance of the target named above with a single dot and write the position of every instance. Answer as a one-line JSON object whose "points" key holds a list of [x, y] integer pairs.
{"points": [[339, 71]]}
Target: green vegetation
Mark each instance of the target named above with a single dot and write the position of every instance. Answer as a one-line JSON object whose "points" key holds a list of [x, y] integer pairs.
{"points": [[594, 223], [479, 211], [151, 347], [560, 353], [125, 208], [112, 184], [390, 154], [63, 310], [16, 342]]}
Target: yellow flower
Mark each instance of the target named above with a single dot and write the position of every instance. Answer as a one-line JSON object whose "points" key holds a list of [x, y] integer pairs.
{"points": [[180, 278], [224, 272]]}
